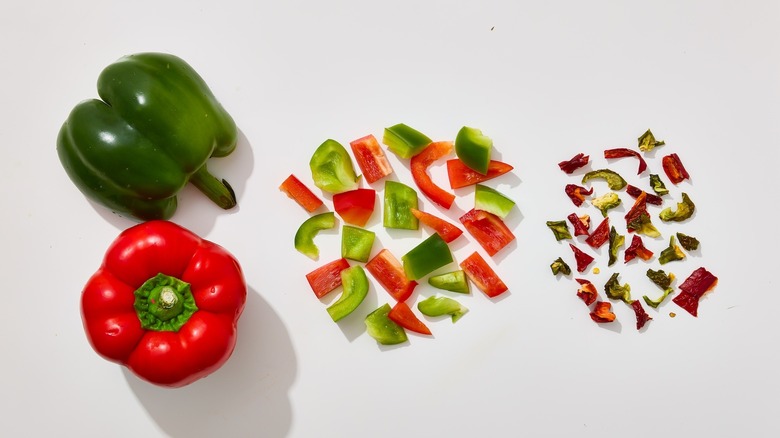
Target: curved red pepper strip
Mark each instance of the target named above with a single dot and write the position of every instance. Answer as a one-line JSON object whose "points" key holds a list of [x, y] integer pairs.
{"points": [[577, 193], [636, 192], [446, 230], [574, 163], [625, 152], [420, 164]]}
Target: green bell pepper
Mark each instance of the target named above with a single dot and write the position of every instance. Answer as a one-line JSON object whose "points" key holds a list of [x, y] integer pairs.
{"points": [[559, 266], [384, 329], [355, 283], [684, 210], [304, 237], [492, 201], [356, 243], [331, 168], [671, 253], [405, 141], [473, 149], [400, 199], [613, 179], [615, 242], [454, 281], [616, 291], [438, 306], [153, 131], [431, 254]]}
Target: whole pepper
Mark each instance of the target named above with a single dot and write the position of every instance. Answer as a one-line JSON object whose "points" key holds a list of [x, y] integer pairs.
{"points": [[165, 303], [153, 131]]}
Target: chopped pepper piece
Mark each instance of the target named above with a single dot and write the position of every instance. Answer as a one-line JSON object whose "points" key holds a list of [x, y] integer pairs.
{"points": [[439, 306], [638, 219], [560, 229], [602, 312], [473, 149], [637, 249], [614, 181], [399, 200], [383, 329], [430, 255], [559, 266], [297, 191], [370, 158], [674, 169], [331, 168], [488, 230], [405, 141], [615, 242], [657, 302], [647, 142], [390, 274], [355, 285], [587, 291], [461, 176], [577, 161], [671, 253], [482, 275], [581, 224], [492, 201], [660, 278], [658, 186], [402, 315], [616, 291], [606, 202], [326, 278], [420, 164], [356, 243], [446, 230], [577, 194], [693, 288], [600, 235], [684, 210], [635, 192], [641, 316], [304, 237], [454, 281], [625, 152], [583, 259], [690, 243], [355, 206]]}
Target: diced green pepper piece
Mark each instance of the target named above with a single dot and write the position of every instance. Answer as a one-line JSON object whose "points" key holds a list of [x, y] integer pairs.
{"points": [[690, 243], [492, 201], [331, 168], [616, 291], [660, 278], [560, 229], [355, 284], [614, 181], [452, 281], [643, 225], [399, 200], [657, 302], [658, 186], [615, 242], [559, 266], [684, 210], [647, 141], [356, 243], [384, 329], [438, 306], [430, 255], [671, 253], [473, 149], [304, 237], [404, 141], [606, 202]]}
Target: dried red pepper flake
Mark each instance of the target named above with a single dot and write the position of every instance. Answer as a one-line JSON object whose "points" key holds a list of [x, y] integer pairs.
{"points": [[587, 291], [581, 224], [600, 235], [583, 259], [602, 312], [641, 316], [625, 152], [577, 193], [674, 168], [574, 163], [636, 192], [637, 249], [693, 288]]}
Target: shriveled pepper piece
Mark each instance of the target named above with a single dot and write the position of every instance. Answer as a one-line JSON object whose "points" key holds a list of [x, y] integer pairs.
{"points": [[616, 291], [402, 315], [674, 169], [657, 302], [327, 277], [560, 229], [583, 259], [559, 266], [461, 175], [370, 158], [577, 161], [383, 329], [625, 152], [606, 202], [613, 179], [389, 272], [304, 237], [635, 192], [600, 235], [355, 285], [473, 148], [671, 253], [420, 164], [658, 186], [615, 242], [641, 316], [637, 249], [684, 210], [482, 275], [647, 141], [690, 243], [399, 200], [405, 141], [577, 193], [587, 291], [431, 254], [602, 312], [331, 168], [446, 230], [581, 224], [488, 230], [638, 219], [693, 288], [662, 280], [297, 191], [439, 306], [454, 281]]}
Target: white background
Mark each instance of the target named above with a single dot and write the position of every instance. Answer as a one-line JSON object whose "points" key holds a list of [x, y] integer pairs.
{"points": [[545, 80]]}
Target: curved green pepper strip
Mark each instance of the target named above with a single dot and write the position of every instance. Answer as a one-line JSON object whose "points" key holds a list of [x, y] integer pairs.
{"points": [[473, 149], [438, 306], [304, 237], [331, 168], [492, 201], [454, 281], [355, 283], [684, 210], [153, 131], [384, 329], [614, 181]]}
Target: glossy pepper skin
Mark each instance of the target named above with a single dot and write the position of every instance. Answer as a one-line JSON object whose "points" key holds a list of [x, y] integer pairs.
{"points": [[124, 310], [153, 129]]}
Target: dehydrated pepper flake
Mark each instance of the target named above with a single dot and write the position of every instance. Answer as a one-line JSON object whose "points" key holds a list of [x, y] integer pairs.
{"points": [[560, 229], [647, 141], [577, 193], [693, 288], [616, 291], [625, 152], [674, 169], [690, 243], [581, 224], [587, 291], [574, 163], [637, 249], [634, 192], [602, 312], [600, 235], [559, 266], [641, 316], [583, 259]]}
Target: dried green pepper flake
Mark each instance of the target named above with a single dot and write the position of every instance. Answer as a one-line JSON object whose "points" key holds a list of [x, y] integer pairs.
{"points": [[615, 242], [684, 210], [660, 278], [614, 181], [690, 243], [658, 186], [559, 229], [643, 225], [559, 266], [616, 291], [671, 253], [647, 141], [657, 302], [606, 202]]}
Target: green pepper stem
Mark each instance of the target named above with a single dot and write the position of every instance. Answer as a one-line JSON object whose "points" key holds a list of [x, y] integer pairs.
{"points": [[218, 191]]}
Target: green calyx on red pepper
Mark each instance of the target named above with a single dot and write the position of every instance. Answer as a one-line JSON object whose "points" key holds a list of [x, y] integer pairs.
{"points": [[473, 148], [152, 131], [164, 303], [405, 141], [431, 254], [331, 168], [355, 284], [399, 201], [304, 237]]}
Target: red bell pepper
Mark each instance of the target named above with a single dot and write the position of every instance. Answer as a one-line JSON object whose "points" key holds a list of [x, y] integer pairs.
{"points": [[355, 206], [577, 193], [600, 235], [602, 312], [371, 158], [587, 291], [641, 316], [461, 175], [581, 224], [402, 315], [574, 163], [301, 194], [636, 192], [389, 272], [482, 275], [446, 230], [637, 249], [488, 230], [674, 168], [420, 164], [693, 288], [165, 303], [625, 152], [327, 277], [583, 259]]}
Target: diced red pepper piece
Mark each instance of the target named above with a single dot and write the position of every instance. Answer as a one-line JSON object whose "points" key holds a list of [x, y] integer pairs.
{"points": [[602, 312], [577, 193], [641, 316], [482, 275], [296, 190], [637, 249], [402, 315], [355, 206], [697, 284], [674, 168], [636, 192], [371, 158], [446, 230], [625, 152], [326, 278], [574, 163], [581, 224], [587, 291], [488, 230], [461, 175], [583, 260], [639, 208], [389, 272], [420, 164], [600, 235]]}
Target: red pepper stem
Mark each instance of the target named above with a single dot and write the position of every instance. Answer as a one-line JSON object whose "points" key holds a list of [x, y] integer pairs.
{"points": [[218, 191], [164, 303]]}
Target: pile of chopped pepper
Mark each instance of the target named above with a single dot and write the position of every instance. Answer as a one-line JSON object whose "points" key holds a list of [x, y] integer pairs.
{"points": [[604, 193], [468, 163]]}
